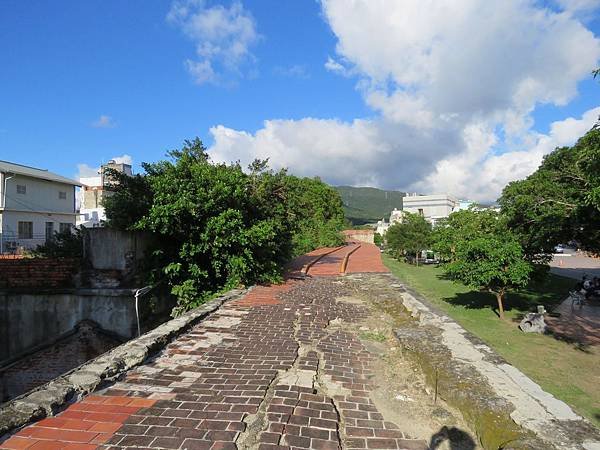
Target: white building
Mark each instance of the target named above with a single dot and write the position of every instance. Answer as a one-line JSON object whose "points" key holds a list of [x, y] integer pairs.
{"points": [[92, 212], [395, 217], [432, 207], [34, 203], [382, 227]]}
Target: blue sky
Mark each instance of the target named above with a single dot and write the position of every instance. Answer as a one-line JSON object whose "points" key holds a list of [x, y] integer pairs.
{"points": [[65, 67]]}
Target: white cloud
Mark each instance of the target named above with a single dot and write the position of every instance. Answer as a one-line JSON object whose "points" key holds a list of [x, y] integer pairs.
{"points": [[84, 170], [479, 174], [103, 122], [578, 6], [335, 66], [454, 85], [222, 36], [293, 71], [469, 59], [123, 159], [361, 152]]}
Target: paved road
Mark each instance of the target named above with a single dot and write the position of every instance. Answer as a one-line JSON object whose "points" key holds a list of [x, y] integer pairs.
{"points": [[269, 371], [575, 265]]}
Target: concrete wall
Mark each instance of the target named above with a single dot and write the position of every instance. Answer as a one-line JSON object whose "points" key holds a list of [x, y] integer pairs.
{"points": [[87, 341], [106, 248], [28, 320]]}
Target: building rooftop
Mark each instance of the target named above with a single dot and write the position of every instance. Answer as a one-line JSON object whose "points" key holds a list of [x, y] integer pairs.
{"points": [[19, 169]]}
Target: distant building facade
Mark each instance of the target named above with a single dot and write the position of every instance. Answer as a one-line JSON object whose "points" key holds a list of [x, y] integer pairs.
{"points": [[92, 212], [34, 203], [395, 217], [431, 207]]}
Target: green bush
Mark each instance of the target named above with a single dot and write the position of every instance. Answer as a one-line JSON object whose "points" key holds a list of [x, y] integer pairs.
{"points": [[64, 244], [220, 226]]}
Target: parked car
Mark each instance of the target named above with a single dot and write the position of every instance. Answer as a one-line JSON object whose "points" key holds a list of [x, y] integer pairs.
{"points": [[426, 257], [429, 257], [559, 249]]}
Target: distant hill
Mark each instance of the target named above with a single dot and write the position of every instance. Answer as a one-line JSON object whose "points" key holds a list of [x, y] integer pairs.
{"points": [[364, 204]]}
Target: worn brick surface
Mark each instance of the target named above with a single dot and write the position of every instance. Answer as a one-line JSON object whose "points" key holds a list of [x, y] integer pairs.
{"points": [[330, 264], [38, 272], [276, 369], [86, 342], [366, 259]]}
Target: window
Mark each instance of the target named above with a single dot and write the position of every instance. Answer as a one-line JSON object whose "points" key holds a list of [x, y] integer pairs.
{"points": [[65, 227], [62, 195], [21, 189], [421, 212], [49, 230], [25, 230]]}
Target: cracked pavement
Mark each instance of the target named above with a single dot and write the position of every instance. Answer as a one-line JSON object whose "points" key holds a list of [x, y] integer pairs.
{"points": [[281, 368]]}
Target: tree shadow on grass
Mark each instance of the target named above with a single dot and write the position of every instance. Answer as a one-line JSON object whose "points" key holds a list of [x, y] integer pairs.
{"points": [[527, 300], [523, 300], [578, 342]]}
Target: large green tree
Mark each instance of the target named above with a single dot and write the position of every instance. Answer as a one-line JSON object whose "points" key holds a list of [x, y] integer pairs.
{"points": [[410, 236], [480, 251], [219, 225], [461, 225], [492, 262], [560, 201]]}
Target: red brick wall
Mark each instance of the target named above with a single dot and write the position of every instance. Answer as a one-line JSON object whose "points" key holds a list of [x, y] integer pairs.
{"points": [[38, 272]]}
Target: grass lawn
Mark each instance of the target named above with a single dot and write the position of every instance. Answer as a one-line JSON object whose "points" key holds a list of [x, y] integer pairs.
{"points": [[568, 372]]}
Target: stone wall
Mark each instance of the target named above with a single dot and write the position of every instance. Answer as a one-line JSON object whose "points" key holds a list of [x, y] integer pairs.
{"points": [[48, 399], [360, 235], [28, 320], [85, 342], [38, 272]]}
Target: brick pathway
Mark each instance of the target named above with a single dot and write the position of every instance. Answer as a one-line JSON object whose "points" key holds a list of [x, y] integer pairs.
{"points": [[366, 259], [273, 370], [330, 264]]}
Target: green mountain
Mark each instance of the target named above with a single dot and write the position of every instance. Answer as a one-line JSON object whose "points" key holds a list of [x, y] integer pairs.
{"points": [[365, 205]]}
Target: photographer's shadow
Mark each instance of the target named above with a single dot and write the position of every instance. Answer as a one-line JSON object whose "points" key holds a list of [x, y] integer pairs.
{"points": [[457, 439]]}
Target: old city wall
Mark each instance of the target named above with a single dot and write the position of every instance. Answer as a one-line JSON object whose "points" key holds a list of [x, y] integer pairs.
{"points": [[32, 319], [35, 273]]}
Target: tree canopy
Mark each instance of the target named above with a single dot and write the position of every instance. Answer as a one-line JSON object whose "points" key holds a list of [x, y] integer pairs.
{"points": [[219, 225], [409, 236], [560, 201], [461, 225], [481, 252]]}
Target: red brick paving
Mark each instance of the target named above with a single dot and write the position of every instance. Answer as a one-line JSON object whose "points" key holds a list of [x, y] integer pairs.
{"points": [[295, 266], [330, 265], [241, 365], [83, 425], [366, 259]]}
